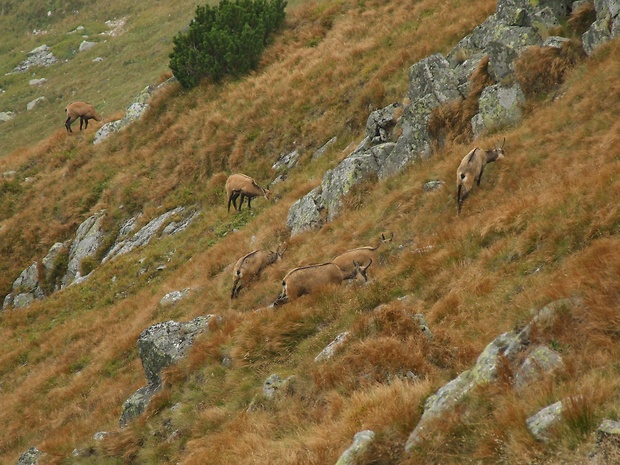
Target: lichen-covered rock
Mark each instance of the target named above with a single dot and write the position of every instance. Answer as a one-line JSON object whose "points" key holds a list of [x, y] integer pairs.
{"points": [[287, 161], [501, 59], [30, 457], [125, 244], [504, 348], [354, 169], [540, 423], [607, 442], [542, 361], [87, 241], [137, 403], [381, 122], [361, 442], [164, 344], [606, 26], [484, 371], [499, 106], [305, 213], [160, 346]]}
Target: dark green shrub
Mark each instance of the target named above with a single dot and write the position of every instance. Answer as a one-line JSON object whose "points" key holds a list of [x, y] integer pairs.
{"points": [[224, 40]]}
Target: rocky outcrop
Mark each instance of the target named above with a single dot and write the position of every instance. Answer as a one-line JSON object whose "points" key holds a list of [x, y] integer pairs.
{"points": [[499, 106], [160, 346], [36, 281], [606, 26], [86, 243], [162, 226], [505, 348], [40, 56], [133, 112]]}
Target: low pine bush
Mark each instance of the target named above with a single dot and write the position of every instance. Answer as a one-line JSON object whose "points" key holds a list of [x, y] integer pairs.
{"points": [[227, 39]]}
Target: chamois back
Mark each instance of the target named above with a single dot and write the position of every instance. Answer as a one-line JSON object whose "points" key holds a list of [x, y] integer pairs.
{"points": [[471, 168], [241, 185], [84, 111], [311, 278], [251, 265]]}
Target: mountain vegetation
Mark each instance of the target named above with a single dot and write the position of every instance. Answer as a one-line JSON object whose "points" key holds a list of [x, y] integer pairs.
{"points": [[544, 225]]}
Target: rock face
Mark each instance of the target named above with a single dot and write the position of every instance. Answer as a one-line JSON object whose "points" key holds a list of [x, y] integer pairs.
{"points": [[160, 346], [505, 347], [86, 243], [606, 26]]}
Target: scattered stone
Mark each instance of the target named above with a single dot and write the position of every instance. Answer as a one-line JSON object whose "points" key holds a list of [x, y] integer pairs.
{"points": [[86, 45], [37, 82], [34, 103], [329, 351], [6, 116], [361, 442], [173, 297], [540, 423], [30, 457]]}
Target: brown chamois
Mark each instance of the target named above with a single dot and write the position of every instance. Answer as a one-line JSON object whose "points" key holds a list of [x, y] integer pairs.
{"points": [[244, 186], [309, 279], [82, 110], [250, 266], [360, 255], [471, 168]]}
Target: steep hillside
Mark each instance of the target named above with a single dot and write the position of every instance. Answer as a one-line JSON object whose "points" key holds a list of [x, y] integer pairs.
{"points": [[544, 225]]}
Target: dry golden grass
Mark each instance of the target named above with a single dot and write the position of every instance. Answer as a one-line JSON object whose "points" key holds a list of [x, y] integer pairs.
{"points": [[543, 225]]}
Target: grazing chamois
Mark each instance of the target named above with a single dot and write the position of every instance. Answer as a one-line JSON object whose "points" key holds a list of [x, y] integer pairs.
{"points": [[244, 186], [360, 255], [309, 279], [250, 266], [471, 168], [82, 110]]}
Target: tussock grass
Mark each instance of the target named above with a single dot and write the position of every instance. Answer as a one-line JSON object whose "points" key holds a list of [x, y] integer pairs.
{"points": [[543, 226]]}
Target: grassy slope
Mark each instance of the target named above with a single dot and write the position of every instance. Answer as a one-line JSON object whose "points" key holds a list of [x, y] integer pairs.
{"points": [[543, 226]]}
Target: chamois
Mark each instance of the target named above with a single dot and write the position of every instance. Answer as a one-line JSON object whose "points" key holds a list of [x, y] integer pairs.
{"points": [[82, 110], [244, 186], [250, 266], [360, 255], [309, 279], [471, 169]]}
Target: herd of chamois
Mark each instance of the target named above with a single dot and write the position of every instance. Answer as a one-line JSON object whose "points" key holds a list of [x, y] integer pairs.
{"points": [[350, 265]]}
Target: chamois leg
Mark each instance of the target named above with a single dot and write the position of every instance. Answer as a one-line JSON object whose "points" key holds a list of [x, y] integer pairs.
{"points": [[249, 200], [232, 198], [459, 201], [241, 201], [480, 177], [69, 122]]}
